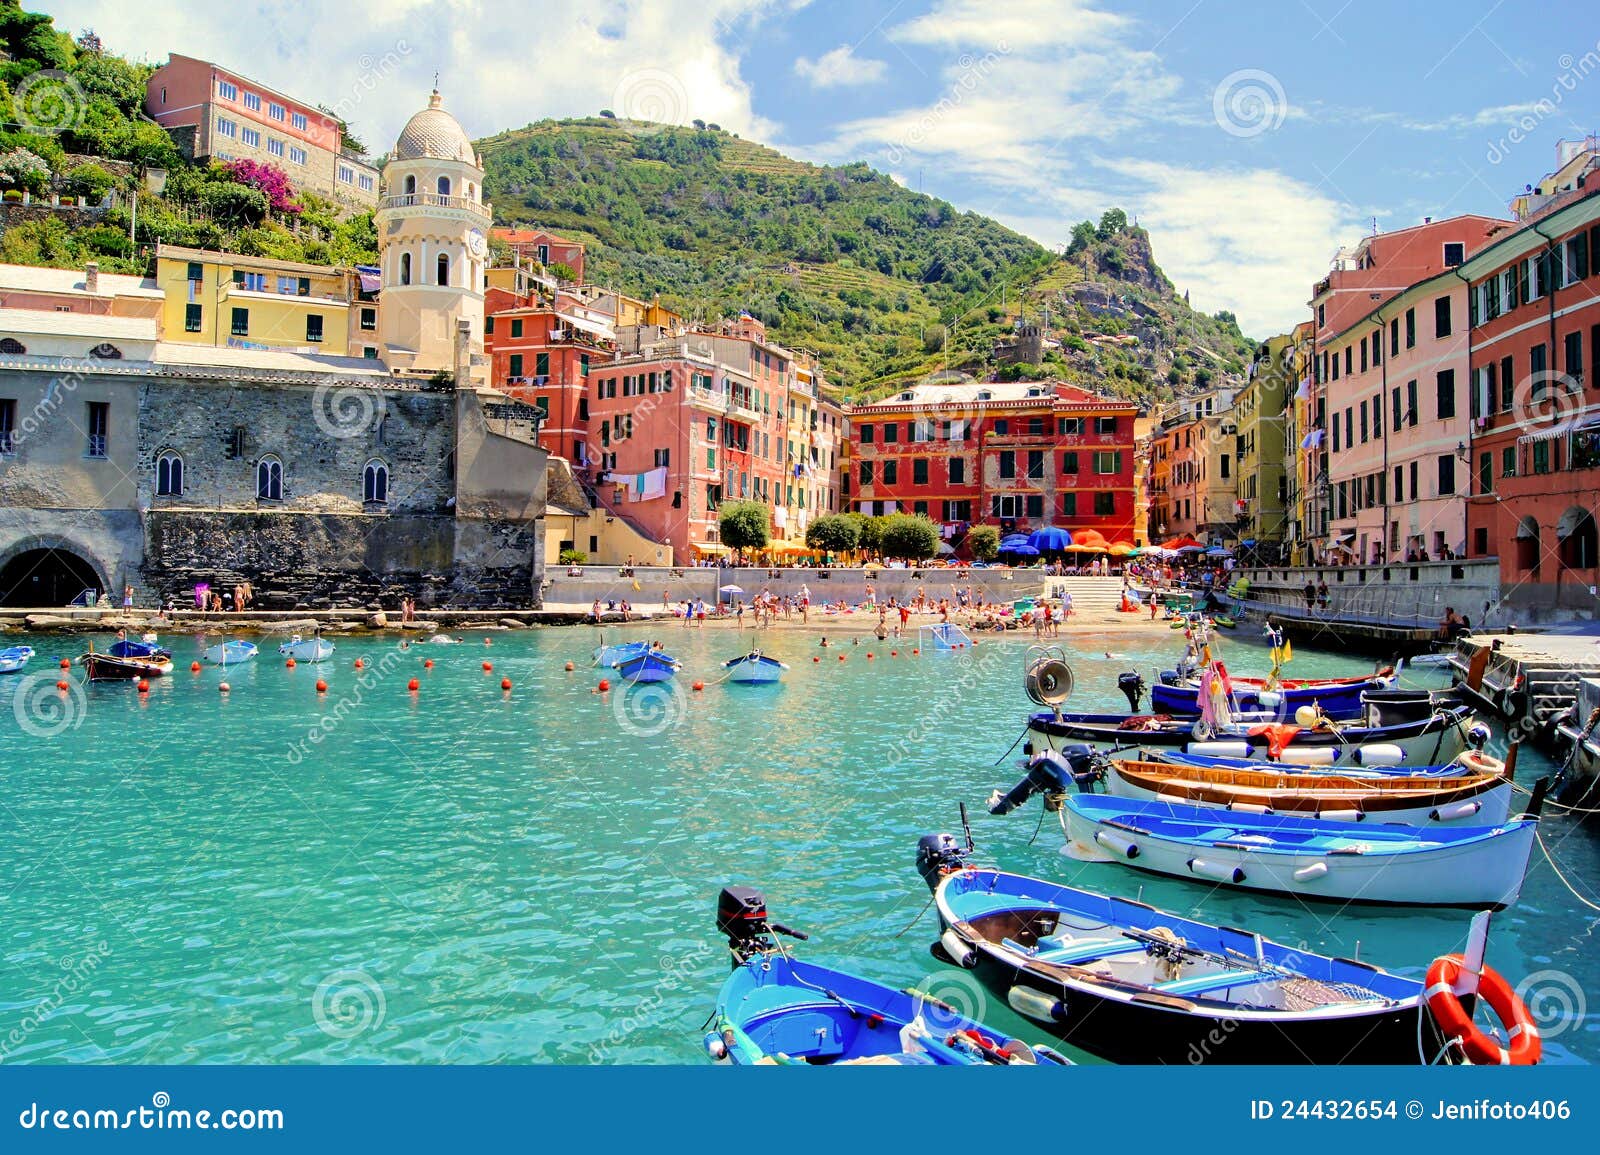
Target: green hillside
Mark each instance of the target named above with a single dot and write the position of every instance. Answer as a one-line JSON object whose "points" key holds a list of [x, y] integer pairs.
{"points": [[885, 284]]}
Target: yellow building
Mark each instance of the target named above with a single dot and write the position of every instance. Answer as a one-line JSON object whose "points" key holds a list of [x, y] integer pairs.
{"points": [[1302, 449], [225, 299], [1259, 411]]}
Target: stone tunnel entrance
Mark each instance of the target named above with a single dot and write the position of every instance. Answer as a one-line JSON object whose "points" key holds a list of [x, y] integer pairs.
{"points": [[49, 576]]}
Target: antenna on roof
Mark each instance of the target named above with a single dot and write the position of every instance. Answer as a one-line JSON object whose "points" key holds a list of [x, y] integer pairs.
{"points": [[436, 82]]}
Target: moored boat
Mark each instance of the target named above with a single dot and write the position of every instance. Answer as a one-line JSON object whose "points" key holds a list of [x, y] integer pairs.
{"points": [[649, 666], [312, 649], [754, 668], [1133, 984], [1472, 866], [229, 653], [776, 1009], [607, 657], [14, 658], [1336, 699], [105, 666]]}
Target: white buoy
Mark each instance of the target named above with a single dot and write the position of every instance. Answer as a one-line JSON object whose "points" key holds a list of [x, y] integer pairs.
{"points": [[1217, 871], [1380, 754], [1453, 813], [1126, 847], [1310, 871], [1218, 749], [1036, 1005], [1341, 814], [960, 953]]}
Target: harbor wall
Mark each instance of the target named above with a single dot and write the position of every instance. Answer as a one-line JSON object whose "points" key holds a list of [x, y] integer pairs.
{"points": [[644, 585], [1397, 598]]}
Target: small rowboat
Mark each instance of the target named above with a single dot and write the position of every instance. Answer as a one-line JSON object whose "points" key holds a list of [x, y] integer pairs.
{"points": [[754, 668], [1478, 798], [607, 657], [649, 666], [1335, 699], [107, 667], [1472, 866], [775, 1009], [312, 649], [1133, 984], [14, 658], [229, 653]]}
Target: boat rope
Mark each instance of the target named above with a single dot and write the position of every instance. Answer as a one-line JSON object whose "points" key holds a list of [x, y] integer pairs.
{"points": [[1564, 882], [917, 919], [1521, 789], [1422, 1054], [1013, 746], [1036, 829]]}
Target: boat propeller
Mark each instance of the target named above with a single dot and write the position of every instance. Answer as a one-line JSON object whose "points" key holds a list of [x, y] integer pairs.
{"points": [[742, 916], [1050, 773]]}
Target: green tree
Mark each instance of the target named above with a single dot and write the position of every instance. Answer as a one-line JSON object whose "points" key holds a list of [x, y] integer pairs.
{"points": [[833, 533], [89, 181], [911, 536], [22, 169], [744, 525], [869, 532], [1083, 235], [983, 542], [1112, 222]]}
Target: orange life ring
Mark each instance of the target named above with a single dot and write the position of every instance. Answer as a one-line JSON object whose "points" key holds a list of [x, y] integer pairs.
{"points": [[1445, 1007], [1479, 762]]}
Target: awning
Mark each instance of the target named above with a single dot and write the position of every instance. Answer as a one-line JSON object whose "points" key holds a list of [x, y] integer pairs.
{"points": [[710, 547]]}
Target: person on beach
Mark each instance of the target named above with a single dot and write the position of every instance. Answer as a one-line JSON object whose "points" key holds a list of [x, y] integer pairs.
{"points": [[905, 620], [594, 612], [1322, 595], [127, 597]]}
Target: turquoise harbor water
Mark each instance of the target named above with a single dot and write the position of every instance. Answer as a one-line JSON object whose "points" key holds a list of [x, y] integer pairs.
{"points": [[469, 876]]}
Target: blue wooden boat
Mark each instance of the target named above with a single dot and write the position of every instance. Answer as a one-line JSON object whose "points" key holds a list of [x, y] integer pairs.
{"points": [[754, 668], [1472, 866], [648, 666], [776, 1009], [229, 653], [607, 657], [1337, 700], [14, 658], [1133, 984], [128, 648]]}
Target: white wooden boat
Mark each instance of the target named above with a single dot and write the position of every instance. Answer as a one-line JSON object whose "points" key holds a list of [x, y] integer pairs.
{"points": [[1472, 866], [312, 649], [230, 653]]}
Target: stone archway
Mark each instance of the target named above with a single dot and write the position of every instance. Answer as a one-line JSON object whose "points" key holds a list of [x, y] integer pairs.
{"points": [[1528, 544], [1577, 537], [38, 573]]}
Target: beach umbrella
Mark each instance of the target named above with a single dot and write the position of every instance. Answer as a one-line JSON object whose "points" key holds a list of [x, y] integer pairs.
{"points": [[1048, 538], [1013, 541], [730, 589], [1122, 549], [1196, 548], [1024, 551], [1219, 551]]}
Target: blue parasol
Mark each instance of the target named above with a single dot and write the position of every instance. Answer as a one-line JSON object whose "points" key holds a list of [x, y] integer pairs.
{"points": [[1049, 538]]}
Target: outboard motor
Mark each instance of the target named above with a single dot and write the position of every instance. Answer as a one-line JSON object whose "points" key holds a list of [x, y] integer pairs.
{"points": [[1050, 773], [742, 916], [937, 856], [1132, 686]]}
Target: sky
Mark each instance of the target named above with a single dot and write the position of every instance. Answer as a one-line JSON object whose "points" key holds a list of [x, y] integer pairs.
{"points": [[1250, 139]]}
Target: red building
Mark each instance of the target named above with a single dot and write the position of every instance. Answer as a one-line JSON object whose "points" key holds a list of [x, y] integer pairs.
{"points": [[543, 355], [1534, 450], [544, 247], [1016, 455]]}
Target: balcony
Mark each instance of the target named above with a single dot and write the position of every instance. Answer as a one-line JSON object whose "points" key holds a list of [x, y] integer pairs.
{"points": [[434, 200]]}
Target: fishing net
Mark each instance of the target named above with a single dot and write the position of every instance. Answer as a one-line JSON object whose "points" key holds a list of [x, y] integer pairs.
{"points": [[1303, 994]]}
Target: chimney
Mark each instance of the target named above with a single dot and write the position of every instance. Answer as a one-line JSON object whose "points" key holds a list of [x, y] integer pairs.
{"points": [[1427, 220], [91, 277]]}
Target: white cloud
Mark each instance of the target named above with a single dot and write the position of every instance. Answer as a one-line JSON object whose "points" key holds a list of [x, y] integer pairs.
{"points": [[1039, 24], [677, 59], [840, 68]]}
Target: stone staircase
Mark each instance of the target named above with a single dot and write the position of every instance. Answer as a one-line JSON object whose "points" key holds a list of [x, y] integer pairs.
{"points": [[1091, 596]]}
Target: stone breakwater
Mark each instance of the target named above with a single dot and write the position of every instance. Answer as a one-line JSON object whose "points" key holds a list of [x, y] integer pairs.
{"points": [[330, 622]]}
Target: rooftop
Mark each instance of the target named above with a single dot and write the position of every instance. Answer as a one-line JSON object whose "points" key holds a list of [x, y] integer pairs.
{"points": [[31, 278], [216, 257], [435, 134], [990, 392], [50, 323]]}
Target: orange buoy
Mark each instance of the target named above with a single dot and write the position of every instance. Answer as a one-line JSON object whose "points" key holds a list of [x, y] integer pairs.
{"points": [[322, 687], [66, 663], [816, 659], [144, 686], [505, 684], [428, 664], [63, 685], [699, 685], [841, 657], [869, 655], [359, 663], [223, 687], [413, 685], [289, 664], [604, 685], [488, 667], [194, 667], [916, 651], [570, 667], [894, 653]]}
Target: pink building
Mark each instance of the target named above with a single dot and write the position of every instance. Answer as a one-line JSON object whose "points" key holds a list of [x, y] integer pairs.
{"points": [[214, 113]]}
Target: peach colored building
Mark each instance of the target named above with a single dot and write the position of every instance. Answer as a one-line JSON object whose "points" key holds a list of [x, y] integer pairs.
{"points": [[545, 248], [215, 113]]}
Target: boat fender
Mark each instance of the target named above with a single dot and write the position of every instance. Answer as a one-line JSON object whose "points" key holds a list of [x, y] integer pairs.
{"points": [[1342, 814], [1311, 871], [1249, 808], [1217, 871], [1269, 699], [1380, 754], [1454, 813], [1218, 749], [1121, 844], [1036, 1005], [958, 951], [1444, 1004], [1309, 755]]}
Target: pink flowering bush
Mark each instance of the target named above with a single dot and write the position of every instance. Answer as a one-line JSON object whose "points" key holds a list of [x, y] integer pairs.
{"points": [[269, 179]]}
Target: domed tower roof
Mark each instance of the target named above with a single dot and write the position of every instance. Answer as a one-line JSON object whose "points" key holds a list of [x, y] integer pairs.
{"points": [[433, 133]]}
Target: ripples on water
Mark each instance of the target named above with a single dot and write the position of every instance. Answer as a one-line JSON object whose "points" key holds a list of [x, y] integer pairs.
{"points": [[466, 876]]}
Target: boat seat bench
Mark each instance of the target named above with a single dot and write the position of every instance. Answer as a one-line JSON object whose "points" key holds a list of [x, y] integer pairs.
{"points": [[1082, 951], [1199, 984]]}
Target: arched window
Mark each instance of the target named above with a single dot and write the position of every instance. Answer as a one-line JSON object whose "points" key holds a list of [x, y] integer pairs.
{"points": [[471, 191], [411, 186], [405, 268], [444, 186], [444, 268], [269, 479], [106, 352], [169, 475], [12, 345], [375, 482]]}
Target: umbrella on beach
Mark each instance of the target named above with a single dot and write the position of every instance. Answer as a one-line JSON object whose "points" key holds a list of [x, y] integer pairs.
{"points": [[1007, 544], [1219, 551], [730, 589], [1048, 538], [1024, 551]]}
